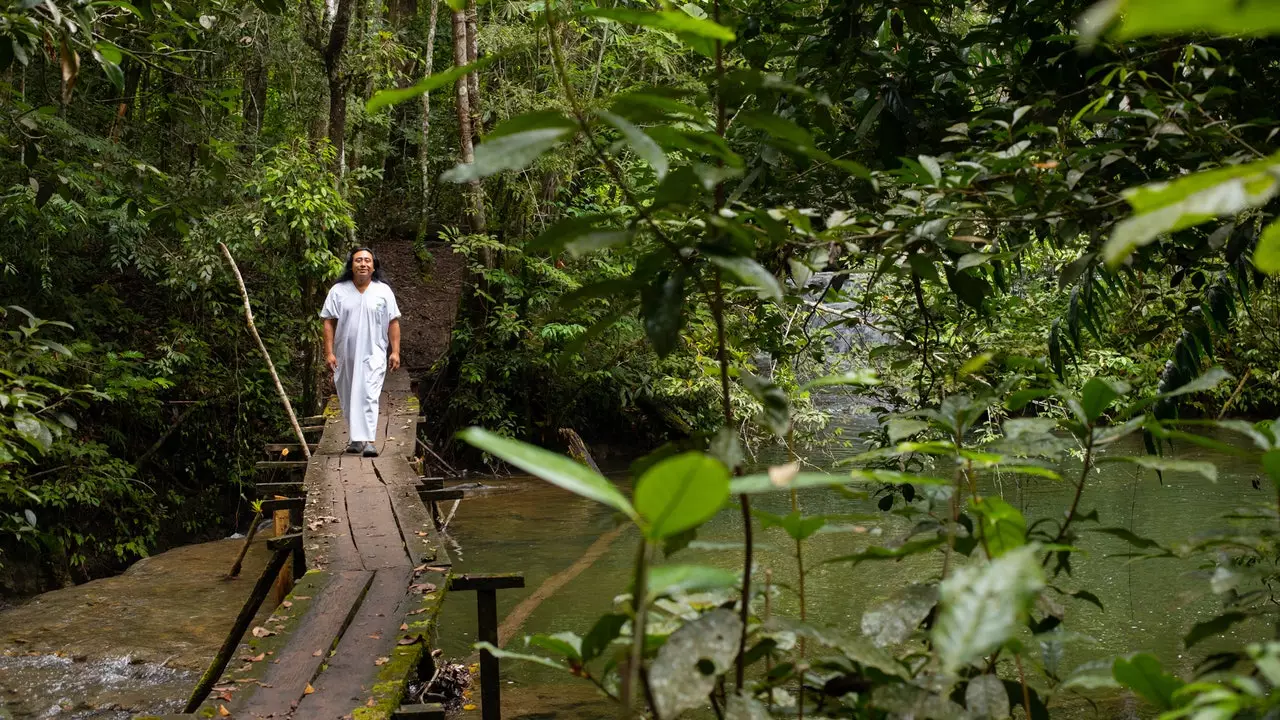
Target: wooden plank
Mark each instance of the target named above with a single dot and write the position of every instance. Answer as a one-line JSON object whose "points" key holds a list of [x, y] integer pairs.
{"points": [[373, 522], [326, 530], [432, 495], [281, 465], [293, 448], [349, 677], [501, 581], [312, 420], [424, 711], [297, 663], [280, 488], [271, 505]]}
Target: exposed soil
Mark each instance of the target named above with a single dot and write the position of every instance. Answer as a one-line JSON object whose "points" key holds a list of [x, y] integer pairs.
{"points": [[428, 301]]}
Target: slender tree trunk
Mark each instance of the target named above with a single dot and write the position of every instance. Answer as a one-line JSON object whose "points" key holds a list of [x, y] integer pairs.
{"points": [[473, 79], [255, 94], [424, 158], [475, 199], [337, 79]]}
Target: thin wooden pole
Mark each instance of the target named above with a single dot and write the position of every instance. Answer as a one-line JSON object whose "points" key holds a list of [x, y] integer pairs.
{"points": [[247, 613], [248, 540], [248, 316]]}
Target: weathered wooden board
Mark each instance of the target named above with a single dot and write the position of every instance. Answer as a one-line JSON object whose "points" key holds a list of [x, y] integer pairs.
{"points": [[298, 663], [326, 529], [348, 680]]}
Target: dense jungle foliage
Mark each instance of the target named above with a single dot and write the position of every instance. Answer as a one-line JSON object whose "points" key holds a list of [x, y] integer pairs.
{"points": [[1020, 229]]}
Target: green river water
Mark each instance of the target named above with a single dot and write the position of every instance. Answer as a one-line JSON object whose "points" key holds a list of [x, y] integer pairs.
{"points": [[540, 530]]}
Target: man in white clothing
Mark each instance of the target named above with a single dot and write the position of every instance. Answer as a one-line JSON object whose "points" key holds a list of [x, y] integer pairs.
{"points": [[360, 319]]}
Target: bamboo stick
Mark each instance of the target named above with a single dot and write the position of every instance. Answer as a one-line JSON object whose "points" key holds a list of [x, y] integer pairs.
{"points": [[248, 316]]}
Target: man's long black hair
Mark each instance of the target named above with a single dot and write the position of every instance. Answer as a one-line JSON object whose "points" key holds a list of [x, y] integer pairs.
{"points": [[351, 257]]}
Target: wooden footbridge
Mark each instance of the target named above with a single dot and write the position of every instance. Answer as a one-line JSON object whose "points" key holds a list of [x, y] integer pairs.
{"points": [[371, 574]]}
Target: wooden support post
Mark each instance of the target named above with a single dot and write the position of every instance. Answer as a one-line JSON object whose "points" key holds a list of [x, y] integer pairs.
{"points": [[487, 587], [280, 554], [284, 578]]}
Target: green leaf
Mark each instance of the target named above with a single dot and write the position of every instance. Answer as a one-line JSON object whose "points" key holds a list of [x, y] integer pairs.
{"points": [[776, 408], [914, 547], [642, 144], [681, 492], [793, 523], [903, 428], [579, 235], [383, 98], [1271, 465], [676, 21], [1208, 381], [523, 657], [690, 661], [751, 273], [1214, 627], [763, 483], [862, 376], [668, 579], [536, 120], [1143, 674], [605, 631], [662, 309], [1190, 200], [1140, 18], [981, 606], [895, 621], [1163, 464], [1003, 527], [507, 152], [985, 697], [1266, 257], [1098, 394], [554, 468], [565, 643], [1129, 537]]}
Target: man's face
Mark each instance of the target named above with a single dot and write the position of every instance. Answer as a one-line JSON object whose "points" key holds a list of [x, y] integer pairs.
{"points": [[362, 265]]}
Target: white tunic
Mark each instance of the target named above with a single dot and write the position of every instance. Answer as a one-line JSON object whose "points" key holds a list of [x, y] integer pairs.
{"points": [[360, 344]]}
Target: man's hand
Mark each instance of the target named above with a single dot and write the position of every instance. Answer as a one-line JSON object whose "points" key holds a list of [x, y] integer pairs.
{"points": [[332, 362], [393, 361]]}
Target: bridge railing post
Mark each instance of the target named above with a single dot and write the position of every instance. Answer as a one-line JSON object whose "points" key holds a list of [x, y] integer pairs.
{"points": [[487, 587]]}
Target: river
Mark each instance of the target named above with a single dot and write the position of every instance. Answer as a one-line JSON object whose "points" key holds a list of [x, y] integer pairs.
{"points": [[540, 530]]}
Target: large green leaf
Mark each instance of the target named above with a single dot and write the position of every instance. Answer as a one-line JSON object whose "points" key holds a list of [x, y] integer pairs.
{"points": [[662, 308], [508, 152], [1266, 257], [764, 483], [667, 579], [383, 98], [580, 235], [1164, 207], [688, 663], [681, 492], [895, 621], [523, 657], [676, 21], [751, 273], [1143, 674], [1139, 18], [862, 376], [981, 606], [1098, 394], [1003, 527], [798, 526], [554, 468], [642, 144], [1164, 464]]}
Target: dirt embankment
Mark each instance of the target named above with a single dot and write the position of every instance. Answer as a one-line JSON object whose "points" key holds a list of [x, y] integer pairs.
{"points": [[428, 299]]}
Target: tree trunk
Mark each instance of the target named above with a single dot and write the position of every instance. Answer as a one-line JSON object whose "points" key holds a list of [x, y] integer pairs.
{"points": [[424, 159], [473, 78], [255, 94], [475, 196], [333, 70]]}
